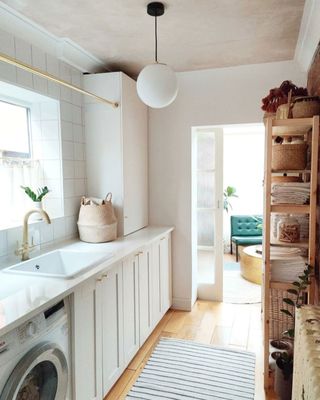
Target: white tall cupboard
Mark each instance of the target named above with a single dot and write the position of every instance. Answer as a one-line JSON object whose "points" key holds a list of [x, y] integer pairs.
{"points": [[117, 148]]}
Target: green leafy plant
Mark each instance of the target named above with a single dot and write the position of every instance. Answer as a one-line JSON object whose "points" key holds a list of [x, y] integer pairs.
{"points": [[298, 296], [39, 195], [228, 193]]}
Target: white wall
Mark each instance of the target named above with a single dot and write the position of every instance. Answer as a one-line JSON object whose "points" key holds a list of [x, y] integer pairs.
{"points": [[209, 97], [309, 34], [72, 137]]}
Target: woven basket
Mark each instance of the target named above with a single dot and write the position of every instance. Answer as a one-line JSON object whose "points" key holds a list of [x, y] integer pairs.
{"points": [[289, 156], [97, 223], [278, 321], [305, 107]]}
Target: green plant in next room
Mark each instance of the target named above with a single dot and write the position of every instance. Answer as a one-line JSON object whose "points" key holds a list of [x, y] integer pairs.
{"points": [[228, 193], [39, 195]]}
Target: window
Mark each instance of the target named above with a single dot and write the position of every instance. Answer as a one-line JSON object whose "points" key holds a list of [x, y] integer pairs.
{"points": [[14, 130]]}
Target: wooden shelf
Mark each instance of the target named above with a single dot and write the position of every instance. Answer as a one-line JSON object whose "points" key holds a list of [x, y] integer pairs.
{"points": [[290, 208], [308, 128], [294, 122], [301, 244], [281, 285], [291, 171]]}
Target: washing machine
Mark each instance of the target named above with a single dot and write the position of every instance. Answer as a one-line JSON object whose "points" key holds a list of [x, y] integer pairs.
{"points": [[35, 357]]}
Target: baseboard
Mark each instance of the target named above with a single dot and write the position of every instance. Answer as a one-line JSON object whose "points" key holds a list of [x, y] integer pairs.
{"points": [[181, 304]]}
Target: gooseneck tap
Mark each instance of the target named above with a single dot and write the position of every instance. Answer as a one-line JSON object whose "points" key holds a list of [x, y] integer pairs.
{"points": [[24, 250]]}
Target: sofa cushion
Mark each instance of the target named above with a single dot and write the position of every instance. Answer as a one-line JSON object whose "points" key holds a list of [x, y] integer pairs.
{"points": [[244, 240]]}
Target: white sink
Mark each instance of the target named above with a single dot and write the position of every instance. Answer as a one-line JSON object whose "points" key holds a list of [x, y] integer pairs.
{"points": [[64, 264]]}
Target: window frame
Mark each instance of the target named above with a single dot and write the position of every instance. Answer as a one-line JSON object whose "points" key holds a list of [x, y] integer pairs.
{"points": [[17, 154]]}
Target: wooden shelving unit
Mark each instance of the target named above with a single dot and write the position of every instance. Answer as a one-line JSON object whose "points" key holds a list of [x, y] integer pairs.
{"points": [[309, 129]]}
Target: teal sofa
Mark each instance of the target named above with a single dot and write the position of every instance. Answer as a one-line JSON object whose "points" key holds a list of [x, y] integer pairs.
{"points": [[245, 231]]}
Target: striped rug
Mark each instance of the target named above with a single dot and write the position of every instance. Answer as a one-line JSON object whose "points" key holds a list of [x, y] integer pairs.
{"points": [[180, 369]]}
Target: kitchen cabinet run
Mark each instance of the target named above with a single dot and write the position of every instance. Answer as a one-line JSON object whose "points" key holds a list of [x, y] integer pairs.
{"points": [[115, 313]]}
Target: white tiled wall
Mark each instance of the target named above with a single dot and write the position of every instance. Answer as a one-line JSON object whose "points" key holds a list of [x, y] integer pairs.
{"points": [[72, 137]]}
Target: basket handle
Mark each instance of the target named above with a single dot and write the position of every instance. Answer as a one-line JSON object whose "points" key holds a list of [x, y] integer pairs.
{"points": [[82, 201], [109, 196]]}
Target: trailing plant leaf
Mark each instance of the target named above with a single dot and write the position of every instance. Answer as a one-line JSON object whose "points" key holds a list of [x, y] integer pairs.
{"points": [[286, 312], [293, 291], [289, 333], [289, 301]]}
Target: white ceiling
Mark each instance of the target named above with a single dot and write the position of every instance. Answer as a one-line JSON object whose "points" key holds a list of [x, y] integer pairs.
{"points": [[193, 34]]}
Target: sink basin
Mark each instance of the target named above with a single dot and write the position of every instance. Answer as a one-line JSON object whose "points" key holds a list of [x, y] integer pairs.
{"points": [[65, 264]]}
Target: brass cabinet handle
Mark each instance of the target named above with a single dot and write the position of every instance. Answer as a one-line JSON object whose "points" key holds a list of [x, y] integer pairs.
{"points": [[99, 279], [105, 276]]}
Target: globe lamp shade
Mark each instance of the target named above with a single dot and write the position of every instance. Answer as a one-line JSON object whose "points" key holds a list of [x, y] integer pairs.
{"points": [[157, 85]]}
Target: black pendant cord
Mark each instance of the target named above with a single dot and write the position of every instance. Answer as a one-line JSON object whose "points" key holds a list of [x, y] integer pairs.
{"points": [[156, 39]]}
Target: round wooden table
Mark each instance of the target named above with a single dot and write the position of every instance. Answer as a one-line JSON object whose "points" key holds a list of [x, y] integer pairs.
{"points": [[251, 264]]}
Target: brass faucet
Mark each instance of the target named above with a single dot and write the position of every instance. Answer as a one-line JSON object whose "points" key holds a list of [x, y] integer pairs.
{"points": [[24, 250]]}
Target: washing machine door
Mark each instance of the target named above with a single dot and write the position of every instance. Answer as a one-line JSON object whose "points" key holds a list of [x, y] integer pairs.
{"points": [[42, 374]]}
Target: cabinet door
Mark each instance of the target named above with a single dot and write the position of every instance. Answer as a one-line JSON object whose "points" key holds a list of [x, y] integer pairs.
{"points": [[165, 271], [86, 376], [130, 308], [156, 284], [112, 327], [145, 322], [135, 158]]}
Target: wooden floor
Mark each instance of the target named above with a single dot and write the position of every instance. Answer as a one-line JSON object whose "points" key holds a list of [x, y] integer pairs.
{"points": [[233, 325]]}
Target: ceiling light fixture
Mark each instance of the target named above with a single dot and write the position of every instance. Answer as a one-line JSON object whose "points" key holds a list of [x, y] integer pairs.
{"points": [[157, 83]]}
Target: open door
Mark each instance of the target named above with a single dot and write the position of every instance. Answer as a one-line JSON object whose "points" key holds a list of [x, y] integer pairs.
{"points": [[208, 211]]}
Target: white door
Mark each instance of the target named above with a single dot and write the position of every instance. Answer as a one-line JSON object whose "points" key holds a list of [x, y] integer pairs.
{"points": [[130, 308], [145, 284], [112, 326], [208, 215]]}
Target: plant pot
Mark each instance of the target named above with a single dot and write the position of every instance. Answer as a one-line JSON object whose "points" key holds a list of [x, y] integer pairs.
{"points": [[282, 385], [37, 205]]}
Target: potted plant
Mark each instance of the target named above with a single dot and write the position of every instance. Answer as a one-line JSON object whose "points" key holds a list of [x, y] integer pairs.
{"points": [[284, 360], [36, 197]]}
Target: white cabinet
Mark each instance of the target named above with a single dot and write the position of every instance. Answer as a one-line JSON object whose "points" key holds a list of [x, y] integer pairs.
{"points": [[116, 148], [109, 296], [114, 313], [130, 308], [87, 376], [161, 278], [165, 273], [145, 293]]}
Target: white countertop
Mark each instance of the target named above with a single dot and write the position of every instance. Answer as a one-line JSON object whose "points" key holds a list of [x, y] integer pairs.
{"points": [[23, 296]]}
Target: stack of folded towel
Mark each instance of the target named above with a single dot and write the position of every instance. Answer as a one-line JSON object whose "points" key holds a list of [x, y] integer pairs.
{"points": [[286, 264], [290, 193]]}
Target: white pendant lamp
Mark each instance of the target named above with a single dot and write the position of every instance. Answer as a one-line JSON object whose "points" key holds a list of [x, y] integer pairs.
{"points": [[157, 84]]}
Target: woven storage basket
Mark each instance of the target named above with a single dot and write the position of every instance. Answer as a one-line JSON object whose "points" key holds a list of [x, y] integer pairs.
{"points": [[289, 156], [278, 321], [305, 107], [97, 223]]}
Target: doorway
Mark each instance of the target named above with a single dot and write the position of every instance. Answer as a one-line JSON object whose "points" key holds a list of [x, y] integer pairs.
{"points": [[225, 159]]}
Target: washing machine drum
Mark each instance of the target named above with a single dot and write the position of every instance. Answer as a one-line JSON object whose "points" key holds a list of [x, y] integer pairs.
{"points": [[42, 374]]}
